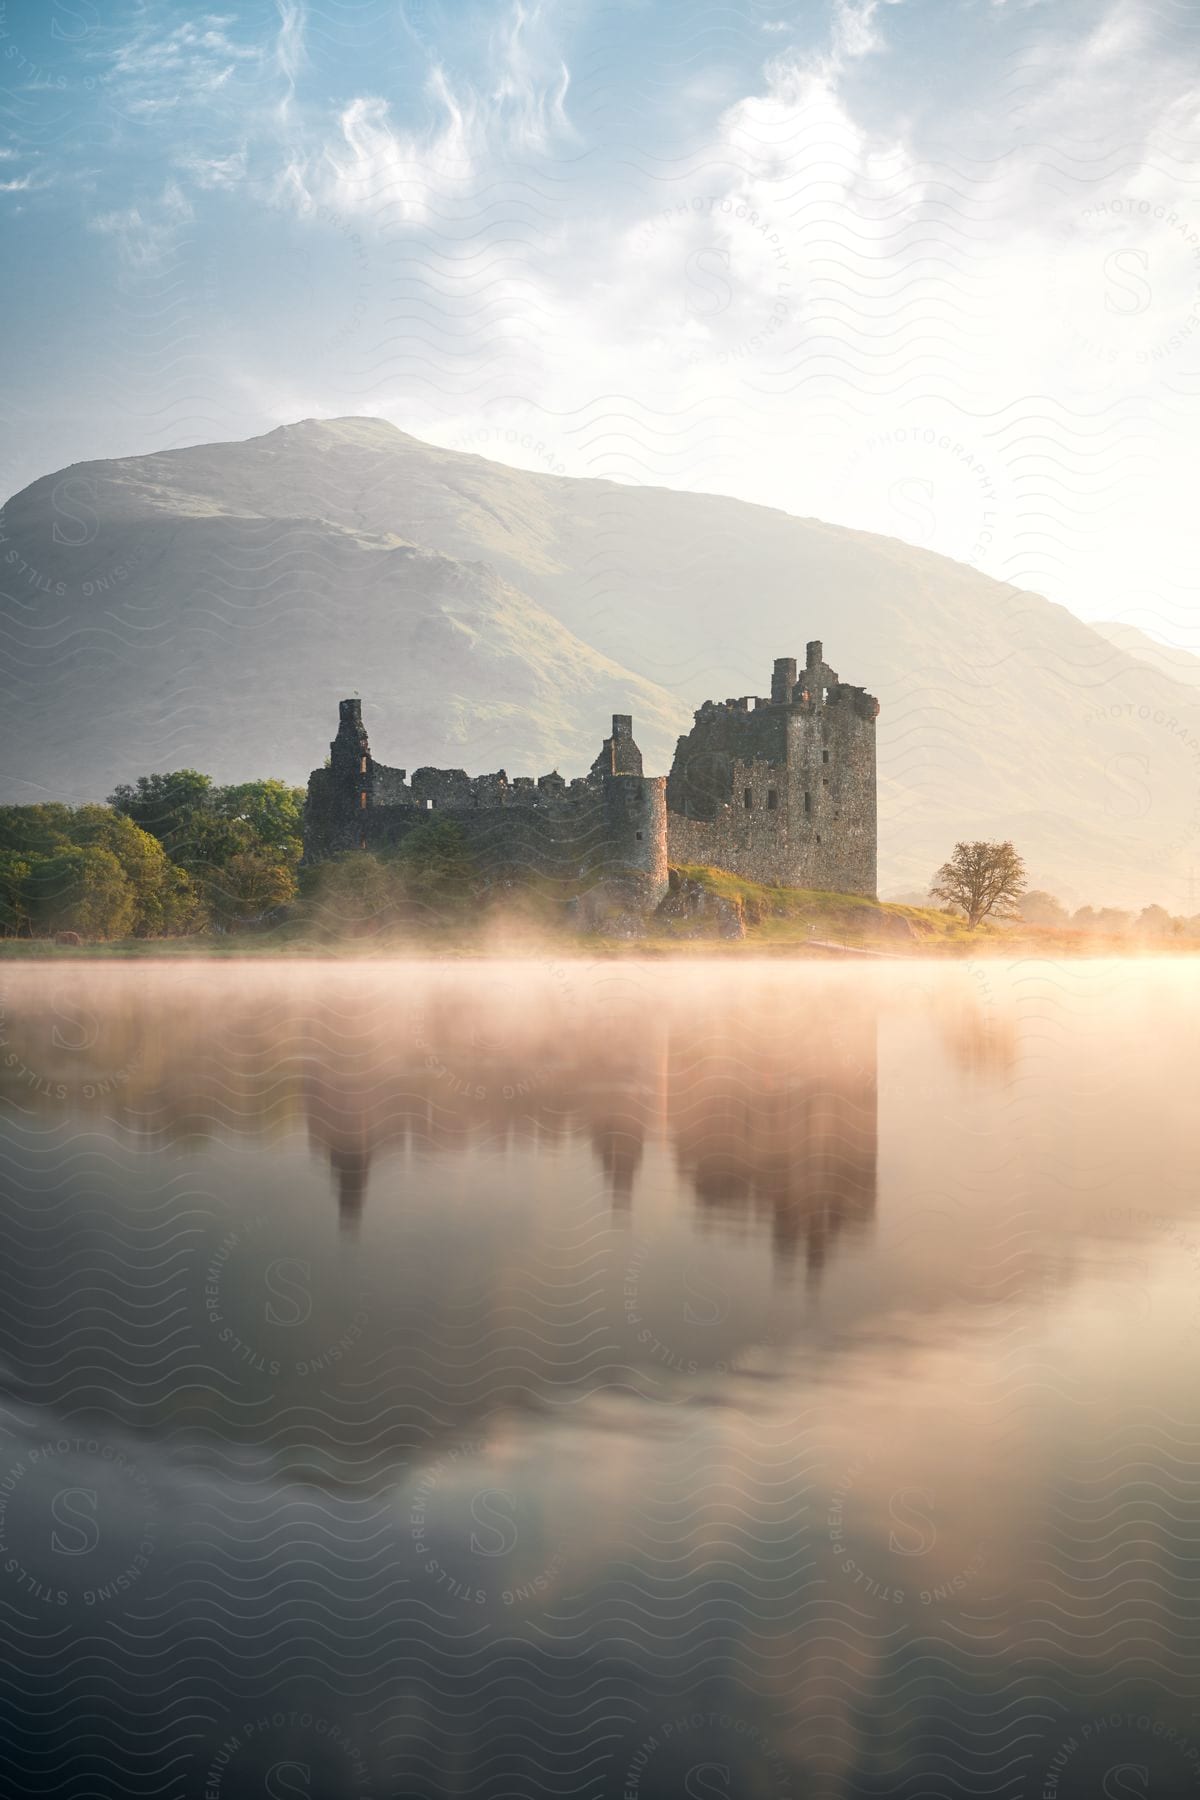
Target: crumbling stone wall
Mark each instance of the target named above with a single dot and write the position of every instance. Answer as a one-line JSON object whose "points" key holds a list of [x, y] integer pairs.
{"points": [[607, 830], [780, 790]]}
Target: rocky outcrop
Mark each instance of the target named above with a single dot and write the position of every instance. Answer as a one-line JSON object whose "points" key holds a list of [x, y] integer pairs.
{"points": [[698, 911]]}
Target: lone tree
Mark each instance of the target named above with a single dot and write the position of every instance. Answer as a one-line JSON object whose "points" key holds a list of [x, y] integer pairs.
{"points": [[980, 879]]}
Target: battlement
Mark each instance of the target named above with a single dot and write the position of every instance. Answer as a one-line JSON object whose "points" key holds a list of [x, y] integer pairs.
{"points": [[607, 828], [816, 685], [780, 789]]}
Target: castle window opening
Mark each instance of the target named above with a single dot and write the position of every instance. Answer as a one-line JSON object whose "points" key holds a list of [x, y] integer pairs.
{"points": [[363, 766], [807, 803], [638, 835], [824, 756], [362, 798], [772, 799], [748, 799], [429, 806]]}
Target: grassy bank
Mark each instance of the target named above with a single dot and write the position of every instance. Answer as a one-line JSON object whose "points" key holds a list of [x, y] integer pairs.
{"points": [[776, 921]]}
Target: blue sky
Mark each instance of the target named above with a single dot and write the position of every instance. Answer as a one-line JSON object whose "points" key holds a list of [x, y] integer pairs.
{"points": [[927, 267]]}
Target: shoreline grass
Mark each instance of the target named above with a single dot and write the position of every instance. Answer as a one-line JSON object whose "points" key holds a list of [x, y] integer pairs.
{"points": [[779, 922]]}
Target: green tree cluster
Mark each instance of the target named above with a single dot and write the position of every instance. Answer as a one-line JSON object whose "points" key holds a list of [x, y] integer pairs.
{"points": [[169, 854], [240, 846], [89, 870]]}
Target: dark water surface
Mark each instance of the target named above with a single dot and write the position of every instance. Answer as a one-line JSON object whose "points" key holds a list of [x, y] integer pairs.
{"points": [[624, 1381]]}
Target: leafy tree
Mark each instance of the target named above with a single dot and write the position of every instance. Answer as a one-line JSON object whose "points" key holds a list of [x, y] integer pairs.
{"points": [[272, 809], [165, 899], [206, 841], [981, 879], [49, 854], [169, 854], [163, 805], [1156, 921], [1110, 919], [236, 848], [14, 892], [1040, 908], [251, 884], [84, 890]]}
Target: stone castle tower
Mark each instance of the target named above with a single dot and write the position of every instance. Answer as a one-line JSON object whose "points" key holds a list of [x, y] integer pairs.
{"points": [[780, 790]]}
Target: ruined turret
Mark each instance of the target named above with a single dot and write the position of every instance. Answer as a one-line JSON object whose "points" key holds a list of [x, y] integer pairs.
{"points": [[350, 755], [781, 790], [619, 755]]}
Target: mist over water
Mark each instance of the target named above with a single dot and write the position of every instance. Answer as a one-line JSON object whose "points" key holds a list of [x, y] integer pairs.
{"points": [[629, 1379]]}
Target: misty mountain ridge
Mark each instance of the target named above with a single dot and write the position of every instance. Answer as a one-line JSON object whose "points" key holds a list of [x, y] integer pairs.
{"points": [[209, 606]]}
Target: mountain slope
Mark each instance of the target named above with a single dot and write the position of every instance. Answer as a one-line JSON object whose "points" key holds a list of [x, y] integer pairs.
{"points": [[184, 632], [1181, 665], [210, 605]]}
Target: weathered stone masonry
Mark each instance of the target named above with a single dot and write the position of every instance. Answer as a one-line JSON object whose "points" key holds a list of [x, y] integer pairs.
{"points": [[779, 790], [607, 830]]}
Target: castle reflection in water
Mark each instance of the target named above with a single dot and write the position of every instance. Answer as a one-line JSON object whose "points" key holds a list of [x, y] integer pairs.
{"points": [[768, 1113], [773, 1128]]}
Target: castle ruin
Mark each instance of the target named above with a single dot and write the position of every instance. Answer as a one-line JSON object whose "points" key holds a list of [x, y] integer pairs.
{"points": [[780, 790]]}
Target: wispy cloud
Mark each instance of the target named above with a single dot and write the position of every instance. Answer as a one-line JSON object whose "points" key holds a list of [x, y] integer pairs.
{"points": [[160, 70], [145, 233], [290, 50], [375, 165], [213, 172]]}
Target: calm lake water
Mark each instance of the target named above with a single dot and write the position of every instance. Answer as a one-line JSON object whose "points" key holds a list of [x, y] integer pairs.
{"points": [[619, 1381]]}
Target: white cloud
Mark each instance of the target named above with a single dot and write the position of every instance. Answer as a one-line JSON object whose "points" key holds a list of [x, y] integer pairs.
{"points": [[145, 234], [854, 32], [378, 167], [192, 58], [986, 343], [971, 328], [290, 53], [214, 172]]}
